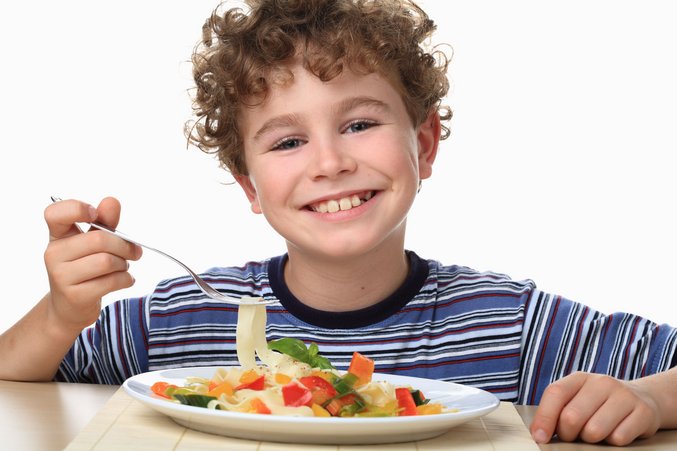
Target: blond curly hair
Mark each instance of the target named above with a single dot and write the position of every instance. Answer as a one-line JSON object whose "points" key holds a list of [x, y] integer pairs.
{"points": [[244, 49]]}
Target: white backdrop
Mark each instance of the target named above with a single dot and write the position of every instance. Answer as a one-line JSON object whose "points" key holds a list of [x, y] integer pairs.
{"points": [[558, 168]]}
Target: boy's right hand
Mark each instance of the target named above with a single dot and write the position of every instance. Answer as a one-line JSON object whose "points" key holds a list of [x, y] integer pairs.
{"points": [[83, 267]]}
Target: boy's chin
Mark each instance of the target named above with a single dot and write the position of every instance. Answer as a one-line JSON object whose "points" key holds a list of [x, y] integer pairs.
{"points": [[330, 254], [342, 251]]}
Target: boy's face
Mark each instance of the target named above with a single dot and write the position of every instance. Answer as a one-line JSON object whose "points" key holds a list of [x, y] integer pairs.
{"points": [[335, 166]]}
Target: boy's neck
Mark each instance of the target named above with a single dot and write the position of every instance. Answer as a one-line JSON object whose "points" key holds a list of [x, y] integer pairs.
{"points": [[345, 285]]}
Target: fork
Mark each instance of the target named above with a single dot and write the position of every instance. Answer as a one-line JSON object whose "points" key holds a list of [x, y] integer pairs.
{"points": [[204, 286]]}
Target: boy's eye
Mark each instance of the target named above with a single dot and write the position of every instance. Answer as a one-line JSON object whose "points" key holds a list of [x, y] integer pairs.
{"points": [[359, 126], [287, 144]]}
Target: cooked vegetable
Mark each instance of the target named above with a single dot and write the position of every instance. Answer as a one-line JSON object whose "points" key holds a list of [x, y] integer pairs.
{"points": [[405, 401], [362, 367], [194, 400]]}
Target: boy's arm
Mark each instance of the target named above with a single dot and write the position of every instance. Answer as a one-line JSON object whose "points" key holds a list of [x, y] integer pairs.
{"points": [[594, 407], [33, 348], [81, 268]]}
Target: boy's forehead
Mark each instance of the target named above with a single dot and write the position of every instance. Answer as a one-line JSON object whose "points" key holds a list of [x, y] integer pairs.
{"points": [[297, 81]]}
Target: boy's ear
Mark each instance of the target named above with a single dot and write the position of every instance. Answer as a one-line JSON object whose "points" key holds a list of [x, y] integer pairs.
{"points": [[250, 191], [429, 133]]}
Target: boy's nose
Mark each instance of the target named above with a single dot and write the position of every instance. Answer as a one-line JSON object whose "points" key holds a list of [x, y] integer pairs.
{"points": [[331, 160]]}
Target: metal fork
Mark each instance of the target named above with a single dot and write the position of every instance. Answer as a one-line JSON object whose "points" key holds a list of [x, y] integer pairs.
{"points": [[204, 286]]}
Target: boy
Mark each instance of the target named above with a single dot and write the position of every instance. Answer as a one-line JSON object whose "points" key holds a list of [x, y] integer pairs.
{"points": [[328, 115]]}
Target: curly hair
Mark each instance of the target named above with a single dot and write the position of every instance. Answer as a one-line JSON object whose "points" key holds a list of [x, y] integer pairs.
{"points": [[243, 51]]}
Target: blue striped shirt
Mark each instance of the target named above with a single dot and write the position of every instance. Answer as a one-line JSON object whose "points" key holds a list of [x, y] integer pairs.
{"points": [[449, 323]]}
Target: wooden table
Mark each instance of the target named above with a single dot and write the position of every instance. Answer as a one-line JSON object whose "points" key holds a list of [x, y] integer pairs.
{"points": [[49, 416]]}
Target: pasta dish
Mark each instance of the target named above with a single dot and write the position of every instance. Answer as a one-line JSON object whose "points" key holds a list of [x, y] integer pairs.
{"points": [[292, 378]]}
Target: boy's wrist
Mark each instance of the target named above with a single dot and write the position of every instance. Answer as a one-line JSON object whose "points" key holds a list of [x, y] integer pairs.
{"points": [[662, 388], [666, 395], [58, 329]]}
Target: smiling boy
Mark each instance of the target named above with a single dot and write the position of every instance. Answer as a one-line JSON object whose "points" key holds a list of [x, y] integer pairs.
{"points": [[328, 114], [334, 167]]}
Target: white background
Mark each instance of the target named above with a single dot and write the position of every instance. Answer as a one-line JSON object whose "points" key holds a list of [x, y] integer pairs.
{"points": [[559, 167]]}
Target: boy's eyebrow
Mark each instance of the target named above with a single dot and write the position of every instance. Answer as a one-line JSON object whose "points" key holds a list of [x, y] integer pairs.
{"points": [[288, 120], [354, 102], [285, 120]]}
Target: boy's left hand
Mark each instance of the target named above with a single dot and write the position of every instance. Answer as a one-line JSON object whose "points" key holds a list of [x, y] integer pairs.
{"points": [[594, 408]]}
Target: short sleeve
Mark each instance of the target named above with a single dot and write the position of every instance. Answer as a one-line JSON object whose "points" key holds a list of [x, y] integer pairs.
{"points": [[113, 349], [561, 337]]}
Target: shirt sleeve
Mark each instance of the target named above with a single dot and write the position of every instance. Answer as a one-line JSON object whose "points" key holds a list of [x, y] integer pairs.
{"points": [[561, 337], [113, 349]]}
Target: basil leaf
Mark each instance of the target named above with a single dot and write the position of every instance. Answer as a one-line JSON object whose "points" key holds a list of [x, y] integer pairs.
{"points": [[316, 360], [293, 347], [297, 350]]}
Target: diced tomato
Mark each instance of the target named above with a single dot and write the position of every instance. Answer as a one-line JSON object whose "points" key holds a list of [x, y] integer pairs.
{"points": [[405, 401], [362, 367], [159, 388], [321, 390], [256, 384], [259, 406], [296, 395]]}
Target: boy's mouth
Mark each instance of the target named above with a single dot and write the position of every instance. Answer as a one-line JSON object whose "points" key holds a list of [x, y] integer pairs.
{"points": [[341, 204]]}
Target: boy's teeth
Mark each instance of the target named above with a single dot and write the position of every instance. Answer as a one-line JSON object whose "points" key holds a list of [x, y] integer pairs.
{"points": [[332, 206], [344, 203]]}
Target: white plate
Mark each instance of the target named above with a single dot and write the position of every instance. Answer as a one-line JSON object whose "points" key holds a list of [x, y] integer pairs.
{"points": [[470, 402]]}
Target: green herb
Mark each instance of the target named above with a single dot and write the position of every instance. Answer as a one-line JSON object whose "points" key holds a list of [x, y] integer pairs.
{"points": [[193, 400], [345, 383], [350, 410], [297, 350], [419, 399]]}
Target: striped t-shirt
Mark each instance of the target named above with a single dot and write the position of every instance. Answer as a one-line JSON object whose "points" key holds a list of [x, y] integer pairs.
{"points": [[449, 323]]}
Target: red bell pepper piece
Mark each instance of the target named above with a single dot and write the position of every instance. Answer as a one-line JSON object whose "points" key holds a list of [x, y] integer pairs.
{"points": [[296, 395], [405, 401], [256, 384]]}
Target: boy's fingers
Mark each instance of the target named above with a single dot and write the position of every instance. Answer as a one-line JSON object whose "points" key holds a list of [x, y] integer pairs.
{"points": [[108, 212], [606, 419], [555, 397], [88, 268], [62, 216], [84, 244], [639, 424], [85, 298]]}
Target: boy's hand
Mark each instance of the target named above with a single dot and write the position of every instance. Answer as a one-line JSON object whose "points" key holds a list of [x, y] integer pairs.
{"points": [[595, 407], [82, 267]]}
